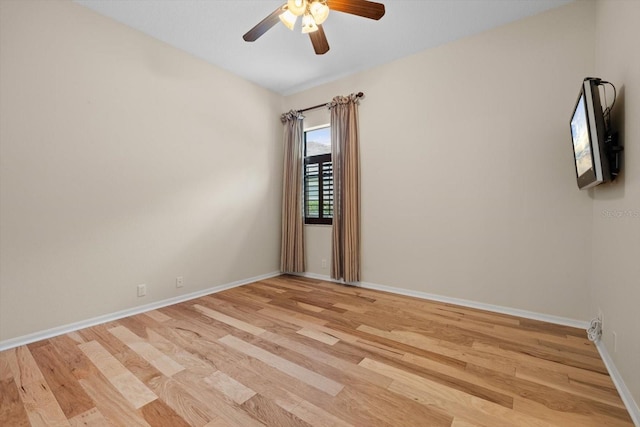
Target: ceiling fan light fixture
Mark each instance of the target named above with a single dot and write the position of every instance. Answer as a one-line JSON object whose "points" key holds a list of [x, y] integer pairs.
{"points": [[297, 7], [319, 10], [288, 19], [308, 24], [313, 14]]}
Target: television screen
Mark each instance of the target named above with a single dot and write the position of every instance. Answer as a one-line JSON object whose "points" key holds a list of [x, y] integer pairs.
{"points": [[580, 135], [588, 135]]}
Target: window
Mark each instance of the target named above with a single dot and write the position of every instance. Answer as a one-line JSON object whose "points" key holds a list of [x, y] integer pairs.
{"points": [[318, 176]]}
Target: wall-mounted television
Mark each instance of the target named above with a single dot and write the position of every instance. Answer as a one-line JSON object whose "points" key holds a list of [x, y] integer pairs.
{"points": [[595, 146]]}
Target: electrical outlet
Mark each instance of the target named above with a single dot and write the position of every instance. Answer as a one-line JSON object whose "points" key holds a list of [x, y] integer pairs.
{"points": [[324, 263], [615, 342], [142, 290], [179, 282]]}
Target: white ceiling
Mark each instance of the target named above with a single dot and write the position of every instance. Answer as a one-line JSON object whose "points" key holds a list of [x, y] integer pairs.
{"points": [[283, 61]]}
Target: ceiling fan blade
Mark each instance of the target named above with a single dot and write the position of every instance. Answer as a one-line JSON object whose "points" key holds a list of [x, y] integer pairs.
{"points": [[263, 26], [364, 8], [319, 41]]}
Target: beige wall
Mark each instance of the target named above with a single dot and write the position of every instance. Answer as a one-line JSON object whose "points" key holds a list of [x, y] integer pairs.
{"points": [[615, 282], [124, 161], [468, 186]]}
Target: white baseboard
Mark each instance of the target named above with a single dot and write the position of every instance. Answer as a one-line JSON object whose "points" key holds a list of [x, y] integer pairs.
{"points": [[558, 320], [64, 329], [623, 390]]}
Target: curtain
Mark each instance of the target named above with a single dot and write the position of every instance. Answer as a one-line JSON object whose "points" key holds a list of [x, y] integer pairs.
{"points": [[345, 155], [292, 248]]}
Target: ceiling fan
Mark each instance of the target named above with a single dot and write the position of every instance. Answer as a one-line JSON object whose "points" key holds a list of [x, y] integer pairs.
{"points": [[314, 13]]}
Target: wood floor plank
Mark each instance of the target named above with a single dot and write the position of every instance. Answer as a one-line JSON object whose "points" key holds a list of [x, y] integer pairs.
{"points": [[244, 297], [237, 366], [158, 413], [155, 357], [231, 388], [120, 377], [75, 336], [191, 410], [561, 382], [112, 405], [270, 413], [382, 405], [240, 311], [553, 398], [12, 411], [477, 357], [461, 422], [576, 360], [137, 366], [366, 348], [349, 368], [66, 388], [40, 404], [223, 407], [24, 368], [303, 374], [266, 287], [455, 378], [77, 362], [218, 422], [466, 406], [5, 369], [317, 416], [236, 323], [310, 307], [570, 418], [351, 307], [519, 358], [101, 334], [412, 378], [378, 336], [292, 317], [352, 407], [318, 336], [92, 417], [186, 359], [298, 351], [157, 315], [266, 380], [108, 365]]}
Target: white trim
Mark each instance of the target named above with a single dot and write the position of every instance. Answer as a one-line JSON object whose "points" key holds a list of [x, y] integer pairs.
{"points": [[326, 125], [558, 320], [625, 393], [64, 329]]}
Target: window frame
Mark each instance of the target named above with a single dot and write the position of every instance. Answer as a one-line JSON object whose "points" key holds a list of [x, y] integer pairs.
{"points": [[318, 159]]}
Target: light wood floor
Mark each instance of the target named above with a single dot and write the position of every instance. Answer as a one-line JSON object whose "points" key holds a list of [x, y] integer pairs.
{"points": [[291, 351]]}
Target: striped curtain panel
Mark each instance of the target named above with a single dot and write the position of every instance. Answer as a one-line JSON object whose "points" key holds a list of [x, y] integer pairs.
{"points": [[345, 154], [292, 248]]}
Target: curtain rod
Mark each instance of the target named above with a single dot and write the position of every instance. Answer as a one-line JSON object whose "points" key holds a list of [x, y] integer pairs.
{"points": [[359, 95]]}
